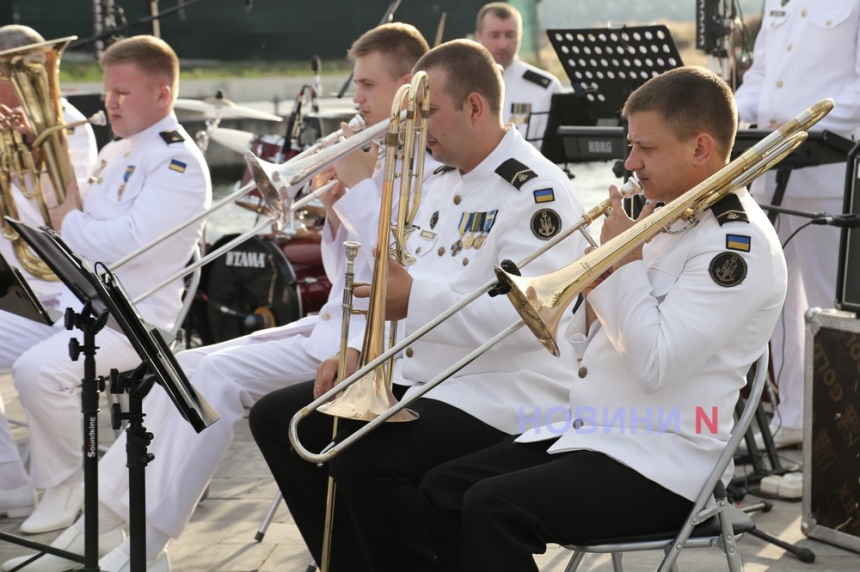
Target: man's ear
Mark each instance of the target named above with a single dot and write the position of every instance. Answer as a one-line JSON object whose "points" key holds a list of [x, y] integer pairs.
{"points": [[704, 149], [165, 95], [476, 106], [407, 78]]}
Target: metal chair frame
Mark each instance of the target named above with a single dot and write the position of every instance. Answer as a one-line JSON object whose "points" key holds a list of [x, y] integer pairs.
{"points": [[732, 522]]}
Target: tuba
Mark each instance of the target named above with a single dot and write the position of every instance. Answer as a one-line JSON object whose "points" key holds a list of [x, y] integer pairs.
{"points": [[33, 71]]}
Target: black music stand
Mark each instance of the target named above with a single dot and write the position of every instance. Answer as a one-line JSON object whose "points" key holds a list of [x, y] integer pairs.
{"points": [[16, 296], [605, 65], [104, 298]]}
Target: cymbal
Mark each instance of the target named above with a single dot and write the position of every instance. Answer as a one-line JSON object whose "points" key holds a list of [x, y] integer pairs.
{"points": [[233, 139], [225, 108]]}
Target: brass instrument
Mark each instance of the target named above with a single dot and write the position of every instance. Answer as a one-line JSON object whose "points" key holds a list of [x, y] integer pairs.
{"points": [[278, 185], [367, 400], [33, 71], [542, 300]]}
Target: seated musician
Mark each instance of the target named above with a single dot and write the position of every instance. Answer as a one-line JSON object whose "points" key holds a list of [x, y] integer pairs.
{"points": [[674, 326], [143, 185], [520, 201], [232, 375], [17, 333]]}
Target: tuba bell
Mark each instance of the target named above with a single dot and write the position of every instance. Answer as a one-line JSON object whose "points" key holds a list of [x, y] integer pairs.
{"points": [[33, 72]]}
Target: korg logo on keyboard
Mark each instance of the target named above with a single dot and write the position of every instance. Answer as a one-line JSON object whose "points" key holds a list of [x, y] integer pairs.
{"points": [[600, 146], [246, 259]]}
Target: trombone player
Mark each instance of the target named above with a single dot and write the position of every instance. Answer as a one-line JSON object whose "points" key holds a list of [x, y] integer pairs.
{"points": [[674, 325], [498, 198], [17, 333], [234, 374]]}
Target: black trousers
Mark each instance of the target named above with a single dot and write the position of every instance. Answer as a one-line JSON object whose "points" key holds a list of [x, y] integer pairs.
{"points": [[493, 510], [378, 524], [303, 484]]}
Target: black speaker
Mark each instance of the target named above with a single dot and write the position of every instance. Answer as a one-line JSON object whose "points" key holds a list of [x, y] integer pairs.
{"points": [[848, 276]]}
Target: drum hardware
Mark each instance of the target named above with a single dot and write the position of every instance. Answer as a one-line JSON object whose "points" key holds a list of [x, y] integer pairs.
{"points": [[541, 301]]}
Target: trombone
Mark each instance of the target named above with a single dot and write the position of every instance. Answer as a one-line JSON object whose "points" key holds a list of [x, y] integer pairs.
{"points": [[541, 301], [278, 185]]}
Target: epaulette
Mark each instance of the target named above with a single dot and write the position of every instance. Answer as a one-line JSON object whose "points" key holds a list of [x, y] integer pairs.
{"points": [[515, 173], [729, 209], [172, 137], [443, 169], [535, 77]]}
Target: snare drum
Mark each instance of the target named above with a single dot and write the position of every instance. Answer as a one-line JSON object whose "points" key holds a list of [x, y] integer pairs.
{"points": [[264, 282]]}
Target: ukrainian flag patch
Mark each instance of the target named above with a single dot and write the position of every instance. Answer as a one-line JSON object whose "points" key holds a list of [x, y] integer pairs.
{"points": [[544, 196], [738, 242], [177, 166]]}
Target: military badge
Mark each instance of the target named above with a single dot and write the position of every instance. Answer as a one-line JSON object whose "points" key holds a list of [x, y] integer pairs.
{"points": [[738, 242], [544, 196], [728, 269], [434, 219], [177, 166], [128, 171], [546, 223]]}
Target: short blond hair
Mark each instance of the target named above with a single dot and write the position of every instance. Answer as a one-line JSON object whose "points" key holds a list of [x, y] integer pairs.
{"points": [[152, 55], [401, 44]]}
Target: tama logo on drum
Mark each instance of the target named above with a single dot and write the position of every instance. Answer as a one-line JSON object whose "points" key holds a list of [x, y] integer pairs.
{"points": [[246, 259]]}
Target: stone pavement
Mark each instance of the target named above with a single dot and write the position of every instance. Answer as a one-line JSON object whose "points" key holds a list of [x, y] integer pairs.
{"points": [[220, 536]]}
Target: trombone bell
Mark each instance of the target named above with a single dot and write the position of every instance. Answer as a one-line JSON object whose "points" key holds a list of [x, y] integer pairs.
{"points": [[366, 400]]}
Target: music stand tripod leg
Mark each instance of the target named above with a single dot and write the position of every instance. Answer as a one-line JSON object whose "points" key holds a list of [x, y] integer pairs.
{"points": [[89, 324], [137, 385]]}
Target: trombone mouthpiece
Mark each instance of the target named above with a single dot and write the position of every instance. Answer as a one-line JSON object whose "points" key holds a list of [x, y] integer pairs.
{"points": [[630, 188]]}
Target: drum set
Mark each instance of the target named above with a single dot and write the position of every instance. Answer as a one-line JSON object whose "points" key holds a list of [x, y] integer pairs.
{"points": [[276, 277]]}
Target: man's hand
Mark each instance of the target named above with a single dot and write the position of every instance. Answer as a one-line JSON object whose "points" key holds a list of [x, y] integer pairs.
{"points": [[358, 165], [329, 198], [17, 120], [618, 221], [399, 287], [58, 213], [327, 371]]}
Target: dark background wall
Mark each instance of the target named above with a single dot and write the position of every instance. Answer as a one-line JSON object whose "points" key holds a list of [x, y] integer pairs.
{"points": [[271, 30]]}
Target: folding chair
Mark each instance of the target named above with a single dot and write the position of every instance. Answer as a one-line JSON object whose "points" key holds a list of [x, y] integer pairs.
{"points": [[717, 524]]}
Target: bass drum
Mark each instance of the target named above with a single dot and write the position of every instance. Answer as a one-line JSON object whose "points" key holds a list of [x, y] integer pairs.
{"points": [[264, 282]]}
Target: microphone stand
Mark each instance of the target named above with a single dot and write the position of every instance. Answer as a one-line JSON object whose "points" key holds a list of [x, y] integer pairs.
{"points": [[137, 385], [839, 220]]}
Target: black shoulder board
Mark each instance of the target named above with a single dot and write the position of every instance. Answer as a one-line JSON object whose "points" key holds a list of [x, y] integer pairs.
{"points": [[729, 209], [443, 169], [172, 137], [537, 78], [515, 173]]}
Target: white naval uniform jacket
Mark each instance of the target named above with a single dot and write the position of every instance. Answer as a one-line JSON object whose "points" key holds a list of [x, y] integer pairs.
{"points": [[142, 187], [518, 376], [528, 96], [82, 151], [670, 339], [806, 50]]}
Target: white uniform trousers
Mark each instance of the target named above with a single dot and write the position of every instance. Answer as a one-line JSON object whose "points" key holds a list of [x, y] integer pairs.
{"points": [[812, 259], [231, 376], [16, 335], [48, 384]]}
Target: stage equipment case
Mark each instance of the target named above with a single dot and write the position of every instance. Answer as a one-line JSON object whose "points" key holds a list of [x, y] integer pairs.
{"points": [[831, 432]]}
